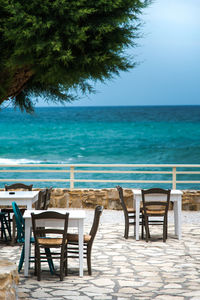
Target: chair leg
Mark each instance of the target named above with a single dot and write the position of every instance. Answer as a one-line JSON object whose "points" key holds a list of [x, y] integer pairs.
{"points": [[49, 260], [7, 226], [142, 231], [66, 263], [35, 263], [89, 260], [13, 230], [21, 260], [38, 265], [1, 228], [164, 233], [9, 221], [164, 229], [147, 229], [61, 268], [126, 231], [3, 231]]}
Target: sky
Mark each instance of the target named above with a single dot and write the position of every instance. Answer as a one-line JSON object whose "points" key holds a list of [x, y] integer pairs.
{"points": [[169, 61]]}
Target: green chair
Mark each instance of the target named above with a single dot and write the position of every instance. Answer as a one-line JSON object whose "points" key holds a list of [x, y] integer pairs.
{"points": [[21, 237]]}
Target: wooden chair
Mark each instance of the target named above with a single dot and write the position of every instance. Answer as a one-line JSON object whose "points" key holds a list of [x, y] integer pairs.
{"points": [[4, 226], [40, 203], [21, 237], [129, 213], [9, 210], [156, 209], [50, 238], [43, 199], [48, 198], [72, 245], [17, 186]]}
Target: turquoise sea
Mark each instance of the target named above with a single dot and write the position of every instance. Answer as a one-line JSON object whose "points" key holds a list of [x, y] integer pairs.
{"points": [[116, 135]]}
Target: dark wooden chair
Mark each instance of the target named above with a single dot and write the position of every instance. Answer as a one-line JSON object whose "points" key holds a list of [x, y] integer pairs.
{"points": [[40, 203], [155, 211], [21, 238], [129, 213], [17, 186], [72, 244], [48, 198], [5, 227], [43, 199], [50, 237], [9, 210]]}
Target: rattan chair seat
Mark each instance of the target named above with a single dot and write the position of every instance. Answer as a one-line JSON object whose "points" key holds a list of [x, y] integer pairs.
{"points": [[74, 237], [155, 208], [155, 212], [50, 241]]}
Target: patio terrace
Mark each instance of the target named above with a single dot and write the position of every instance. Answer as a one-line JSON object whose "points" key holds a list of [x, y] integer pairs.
{"points": [[125, 269]]}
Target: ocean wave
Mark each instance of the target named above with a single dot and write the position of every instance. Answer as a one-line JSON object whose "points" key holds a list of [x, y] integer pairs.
{"points": [[20, 161], [7, 161]]}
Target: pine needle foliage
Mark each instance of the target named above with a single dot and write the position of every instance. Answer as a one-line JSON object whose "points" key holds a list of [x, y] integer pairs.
{"points": [[53, 48]]}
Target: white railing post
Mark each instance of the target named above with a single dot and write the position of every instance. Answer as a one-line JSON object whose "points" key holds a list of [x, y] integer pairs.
{"points": [[71, 177], [174, 178]]}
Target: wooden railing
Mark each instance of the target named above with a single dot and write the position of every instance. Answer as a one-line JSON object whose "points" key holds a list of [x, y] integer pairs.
{"points": [[71, 173]]}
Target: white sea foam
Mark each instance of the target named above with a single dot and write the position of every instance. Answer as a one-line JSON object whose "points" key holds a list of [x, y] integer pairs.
{"points": [[7, 161]]}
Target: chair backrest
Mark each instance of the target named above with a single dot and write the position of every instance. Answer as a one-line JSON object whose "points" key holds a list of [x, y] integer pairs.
{"points": [[19, 222], [95, 224], [156, 203], [121, 198], [16, 186], [48, 198], [40, 203], [49, 230]]}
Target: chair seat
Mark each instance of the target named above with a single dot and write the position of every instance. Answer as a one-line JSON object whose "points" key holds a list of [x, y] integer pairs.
{"points": [[132, 210], [9, 209], [50, 241], [155, 212], [74, 238]]}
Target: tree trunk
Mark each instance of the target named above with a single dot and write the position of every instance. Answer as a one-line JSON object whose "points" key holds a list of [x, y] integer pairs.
{"points": [[19, 81]]}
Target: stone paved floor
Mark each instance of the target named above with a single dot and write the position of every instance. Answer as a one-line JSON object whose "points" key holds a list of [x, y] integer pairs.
{"points": [[125, 269]]}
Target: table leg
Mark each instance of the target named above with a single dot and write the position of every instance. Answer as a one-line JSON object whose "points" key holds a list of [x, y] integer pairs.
{"points": [[177, 216], [27, 246], [137, 217], [80, 245]]}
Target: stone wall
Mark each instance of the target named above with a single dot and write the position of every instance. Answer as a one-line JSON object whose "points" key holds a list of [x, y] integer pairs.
{"points": [[89, 198], [191, 200], [9, 280]]}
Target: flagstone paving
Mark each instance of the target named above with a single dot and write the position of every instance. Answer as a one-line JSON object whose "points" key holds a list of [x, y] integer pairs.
{"points": [[125, 269]]}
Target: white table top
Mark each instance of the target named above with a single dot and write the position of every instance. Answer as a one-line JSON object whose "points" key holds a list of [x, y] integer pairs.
{"points": [[18, 194], [173, 192], [73, 214]]}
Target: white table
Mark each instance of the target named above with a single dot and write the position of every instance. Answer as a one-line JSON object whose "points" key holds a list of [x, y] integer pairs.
{"points": [[26, 198], [76, 219], [176, 197]]}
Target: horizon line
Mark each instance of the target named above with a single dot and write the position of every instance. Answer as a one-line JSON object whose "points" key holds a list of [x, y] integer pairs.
{"points": [[145, 105]]}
